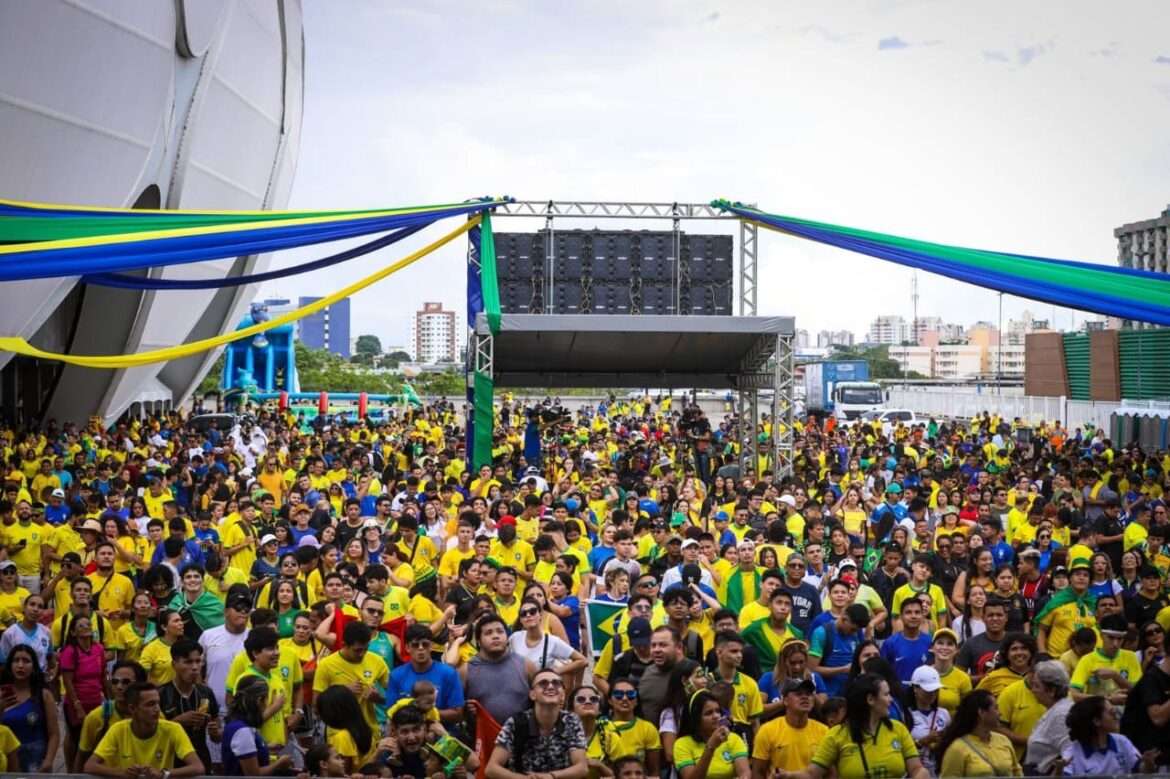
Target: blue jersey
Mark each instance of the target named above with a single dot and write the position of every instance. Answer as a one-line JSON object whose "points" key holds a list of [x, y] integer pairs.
{"points": [[835, 650], [905, 655]]}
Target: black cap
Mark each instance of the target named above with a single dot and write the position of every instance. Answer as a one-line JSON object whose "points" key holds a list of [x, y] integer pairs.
{"points": [[1114, 624], [795, 685], [1148, 571], [639, 631]]}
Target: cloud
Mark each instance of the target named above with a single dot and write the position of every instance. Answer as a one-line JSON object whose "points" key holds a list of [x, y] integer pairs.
{"points": [[995, 56], [1025, 55], [1106, 51], [712, 17], [891, 43], [1162, 59]]}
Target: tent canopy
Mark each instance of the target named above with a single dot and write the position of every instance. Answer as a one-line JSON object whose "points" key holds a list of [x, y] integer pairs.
{"points": [[584, 350]]}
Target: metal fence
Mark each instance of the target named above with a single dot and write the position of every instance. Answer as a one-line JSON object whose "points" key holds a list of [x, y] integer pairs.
{"points": [[1029, 408]]}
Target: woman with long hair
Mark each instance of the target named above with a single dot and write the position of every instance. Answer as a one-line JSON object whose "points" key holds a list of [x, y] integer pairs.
{"points": [[245, 752], [864, 651], [851, 511], [600, 742], [139, 630], [156, 656], [30, 710], [1151, 644], [928, 717], [563, 603], [346, 728], [126, 557], [956, 684], [1008, 593], [633, 736], [686, 678], [1128, 579], [980, 572], [549, 622], [1012, 662], [1101, 579], [972, 745], [356, 554], [867, 742], [83, 674], [898, 698], [791, 663], [707, 749], [544, 650], [1096, 747], [970, 622]]}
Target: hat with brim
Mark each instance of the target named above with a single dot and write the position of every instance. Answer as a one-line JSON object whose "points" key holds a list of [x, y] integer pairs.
{"points": [[798, 685], [91, 525], [1080, 564]]}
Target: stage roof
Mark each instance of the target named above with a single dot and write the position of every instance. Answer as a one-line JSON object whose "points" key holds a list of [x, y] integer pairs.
{"points": [[588, 350]]}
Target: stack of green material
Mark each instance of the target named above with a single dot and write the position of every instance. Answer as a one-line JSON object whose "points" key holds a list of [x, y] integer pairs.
{"points": [[1076, 365], [1145, 364]]}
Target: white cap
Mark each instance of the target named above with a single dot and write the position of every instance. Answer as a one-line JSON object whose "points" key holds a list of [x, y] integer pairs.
{"points": [[788, 500], [268, 539], [58, 493], [926, 678], [689, 542]]}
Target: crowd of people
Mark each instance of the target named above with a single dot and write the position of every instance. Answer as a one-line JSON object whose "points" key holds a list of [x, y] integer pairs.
{"points": [[340, 598]]}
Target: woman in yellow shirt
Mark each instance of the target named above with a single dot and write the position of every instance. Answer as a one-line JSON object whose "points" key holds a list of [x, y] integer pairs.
{"points": [[155, 658], [972, 746], [709, 750], [346, 728], [140, 630]]}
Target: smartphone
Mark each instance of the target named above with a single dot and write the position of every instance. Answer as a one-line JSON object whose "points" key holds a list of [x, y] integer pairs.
{"points": [[7, 691]]}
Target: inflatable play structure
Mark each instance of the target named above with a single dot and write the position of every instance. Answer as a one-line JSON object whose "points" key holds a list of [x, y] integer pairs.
{"points": [[265, 362]]}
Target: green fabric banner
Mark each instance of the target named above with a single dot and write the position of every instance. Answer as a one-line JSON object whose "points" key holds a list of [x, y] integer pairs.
{"points": [[489, 278], [53, 225], [484, 419]]}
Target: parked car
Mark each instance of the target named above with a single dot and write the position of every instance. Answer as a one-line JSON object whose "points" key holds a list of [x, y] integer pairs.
{"points": [[889, 417]]}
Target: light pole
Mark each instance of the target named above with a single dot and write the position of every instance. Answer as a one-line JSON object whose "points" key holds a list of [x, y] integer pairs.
{"points": [[999, 352]]}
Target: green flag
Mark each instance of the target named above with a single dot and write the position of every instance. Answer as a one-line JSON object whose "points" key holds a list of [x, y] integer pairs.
{"points": [[600, 622]]}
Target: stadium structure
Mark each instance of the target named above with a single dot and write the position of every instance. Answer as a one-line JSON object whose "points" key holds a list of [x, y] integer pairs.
{"points": [[185, 104]]}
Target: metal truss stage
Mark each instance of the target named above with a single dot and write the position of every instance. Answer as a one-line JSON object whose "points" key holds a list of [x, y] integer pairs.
{"points": [[746, 353]]}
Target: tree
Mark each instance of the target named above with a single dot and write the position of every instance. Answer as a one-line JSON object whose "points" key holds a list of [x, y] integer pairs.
{"points": [[368, 344]]}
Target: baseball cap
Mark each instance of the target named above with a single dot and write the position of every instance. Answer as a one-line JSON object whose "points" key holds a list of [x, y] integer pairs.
{"points": [[1030, 553], [721, 516], [689, 543], [507, 519], [948, 510], [6, 565], [1059, 570], [788, 500], [1148, 571], [58, 493], [926, 678], [267, 539], [894, 489], [1079, 564], [847, 562], [674, 540], [947, 632], [798, 685], [91, 525], [309, 540], [1113, 625], [639, 631]]}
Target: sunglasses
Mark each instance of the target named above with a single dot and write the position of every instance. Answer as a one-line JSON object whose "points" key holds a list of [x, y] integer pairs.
{"points": [[1153, 632], [549, 684], [647, 583], [628, 695], [375, 612], [583, 699]]}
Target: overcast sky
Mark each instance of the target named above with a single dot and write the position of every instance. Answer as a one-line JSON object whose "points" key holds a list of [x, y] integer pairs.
{"points": [[1032, 127]]}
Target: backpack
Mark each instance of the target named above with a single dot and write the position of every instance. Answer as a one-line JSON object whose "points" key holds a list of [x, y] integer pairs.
{"points": [[525, 731]]}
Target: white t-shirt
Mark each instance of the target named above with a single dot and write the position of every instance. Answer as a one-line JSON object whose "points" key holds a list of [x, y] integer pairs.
{"points": [[551, 650], [219, 650]]}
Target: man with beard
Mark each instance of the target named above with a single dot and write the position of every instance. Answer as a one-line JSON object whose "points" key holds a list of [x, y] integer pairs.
{"points": [[113, 593], [665, 651], [497, 678]]}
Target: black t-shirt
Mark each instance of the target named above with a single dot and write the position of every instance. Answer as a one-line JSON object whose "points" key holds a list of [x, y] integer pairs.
{"points": [[1139, 609], [1152, 689], [1110, 527], [172, 703]]}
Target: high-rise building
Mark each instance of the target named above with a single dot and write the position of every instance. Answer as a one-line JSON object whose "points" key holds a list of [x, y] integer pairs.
{"points": [[801, 340], [326, 329], [889, 329], [434, 334], [1018, 329], [1144, 246]]}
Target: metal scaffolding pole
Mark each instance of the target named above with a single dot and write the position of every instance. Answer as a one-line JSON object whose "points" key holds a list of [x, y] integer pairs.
{"points": [[749, 235]]}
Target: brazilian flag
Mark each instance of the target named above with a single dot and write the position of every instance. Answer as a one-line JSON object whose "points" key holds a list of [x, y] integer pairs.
{"points": [[600, 621]]}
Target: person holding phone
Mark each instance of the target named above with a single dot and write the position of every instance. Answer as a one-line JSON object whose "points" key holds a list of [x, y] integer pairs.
{"points": [[709, 749]]}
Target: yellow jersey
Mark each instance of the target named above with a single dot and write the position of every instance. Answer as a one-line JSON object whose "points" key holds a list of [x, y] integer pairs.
{"points": [[785, 747], [887, 751], [120, 748], [688, 752]]}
